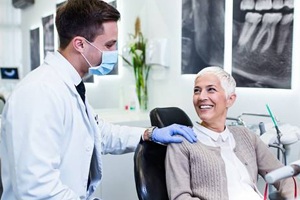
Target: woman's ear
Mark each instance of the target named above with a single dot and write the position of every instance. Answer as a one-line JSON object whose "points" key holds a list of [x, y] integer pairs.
{"points": [[231, 100]]}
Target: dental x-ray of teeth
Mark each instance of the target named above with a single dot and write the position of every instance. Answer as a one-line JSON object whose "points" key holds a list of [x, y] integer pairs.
{"points": [[202, 34], [261, 40], [262, 43]]}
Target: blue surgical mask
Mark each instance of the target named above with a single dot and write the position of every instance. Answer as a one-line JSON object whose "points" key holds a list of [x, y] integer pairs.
{"points": [[109, 60]]}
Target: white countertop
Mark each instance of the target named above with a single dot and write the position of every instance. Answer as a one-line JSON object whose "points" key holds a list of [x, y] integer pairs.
{"points": [[124, 117]]}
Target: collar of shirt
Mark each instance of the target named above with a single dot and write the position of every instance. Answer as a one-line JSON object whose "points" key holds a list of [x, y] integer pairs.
{"points": [[70, 70], [210, 138]]}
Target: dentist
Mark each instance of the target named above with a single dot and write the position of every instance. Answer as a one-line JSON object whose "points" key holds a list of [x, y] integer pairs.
{"points": [[51, 144]]}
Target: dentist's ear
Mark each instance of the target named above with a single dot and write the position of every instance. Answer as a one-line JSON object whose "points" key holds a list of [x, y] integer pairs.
{"points": [[78, 43]]}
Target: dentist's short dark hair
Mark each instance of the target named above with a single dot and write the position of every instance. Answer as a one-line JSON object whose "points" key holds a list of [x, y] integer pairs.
{"points": [[83, 18]]}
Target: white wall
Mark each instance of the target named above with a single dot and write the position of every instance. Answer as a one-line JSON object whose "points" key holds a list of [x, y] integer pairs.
{"points": [[162, 19], [10, 42], [159, 21]]}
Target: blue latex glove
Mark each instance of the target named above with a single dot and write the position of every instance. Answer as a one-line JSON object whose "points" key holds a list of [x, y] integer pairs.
{"points": [[168, 134]]}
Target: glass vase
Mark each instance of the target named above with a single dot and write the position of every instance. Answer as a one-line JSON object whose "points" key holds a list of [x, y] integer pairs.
{"points": [[141, 78], [143, 97]]}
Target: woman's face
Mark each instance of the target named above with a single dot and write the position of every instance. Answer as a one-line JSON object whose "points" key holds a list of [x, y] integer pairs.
{"points": [[210, 100]]}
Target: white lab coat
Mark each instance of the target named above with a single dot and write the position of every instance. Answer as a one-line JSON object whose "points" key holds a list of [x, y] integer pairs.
{"points": [[47, 138]]}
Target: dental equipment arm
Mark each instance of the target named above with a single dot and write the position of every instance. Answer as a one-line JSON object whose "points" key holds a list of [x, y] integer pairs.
{"points": [[284, 172]]}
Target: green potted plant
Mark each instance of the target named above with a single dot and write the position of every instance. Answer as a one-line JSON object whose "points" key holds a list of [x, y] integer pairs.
{"points": [[137, 60]]}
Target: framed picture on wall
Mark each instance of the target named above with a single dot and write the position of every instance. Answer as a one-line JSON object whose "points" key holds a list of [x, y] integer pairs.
{"points": [[202, 38], [262, 44], [48, 33], [34, 48], [262, 40], [59, 4], [116, 69]]}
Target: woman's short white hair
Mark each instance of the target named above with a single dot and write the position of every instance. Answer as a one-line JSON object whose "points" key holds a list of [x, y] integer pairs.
{"points": [[227, 81]]}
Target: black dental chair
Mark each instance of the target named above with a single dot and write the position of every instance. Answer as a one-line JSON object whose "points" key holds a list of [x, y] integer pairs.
{"points": [[149, 168]]}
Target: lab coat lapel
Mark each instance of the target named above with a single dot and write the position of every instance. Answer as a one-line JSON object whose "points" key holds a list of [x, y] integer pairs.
{"points": [[63, 68], [96, 162], [83, 107], [67, 74]]}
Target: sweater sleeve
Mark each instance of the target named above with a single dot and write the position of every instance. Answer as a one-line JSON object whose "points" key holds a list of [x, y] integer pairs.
{"points": [[178, 173]]}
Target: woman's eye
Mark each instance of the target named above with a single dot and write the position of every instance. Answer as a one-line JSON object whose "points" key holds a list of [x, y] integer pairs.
{"points": [[196, 91], [211, 90]]}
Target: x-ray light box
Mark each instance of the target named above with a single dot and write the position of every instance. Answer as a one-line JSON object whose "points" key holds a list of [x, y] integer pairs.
{"points": [[9, 73]]}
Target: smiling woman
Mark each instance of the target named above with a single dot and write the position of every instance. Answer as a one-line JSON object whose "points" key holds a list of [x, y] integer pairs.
{"points": [[226, 160]]}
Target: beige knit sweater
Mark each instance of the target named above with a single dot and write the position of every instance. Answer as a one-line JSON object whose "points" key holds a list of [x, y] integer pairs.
{"points": [[197, 171]]}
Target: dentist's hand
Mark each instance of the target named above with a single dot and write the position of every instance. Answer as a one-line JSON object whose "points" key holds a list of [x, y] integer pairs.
{"points": [[169, 134]]}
